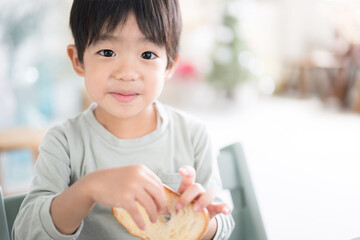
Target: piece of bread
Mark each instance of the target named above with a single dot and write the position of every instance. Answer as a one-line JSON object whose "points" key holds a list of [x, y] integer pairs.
{"points": [[184, 224]]}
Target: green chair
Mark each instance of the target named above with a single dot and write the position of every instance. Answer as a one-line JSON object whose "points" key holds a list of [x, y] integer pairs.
{"points": [[9, 208], [4, 231], [236, 178]]}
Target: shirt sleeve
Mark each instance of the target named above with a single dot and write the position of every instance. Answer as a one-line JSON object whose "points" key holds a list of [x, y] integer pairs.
{"points": [[52, 176], [207, 173]]}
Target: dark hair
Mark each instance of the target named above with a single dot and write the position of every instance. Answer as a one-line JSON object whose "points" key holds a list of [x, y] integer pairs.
{"points": [[158, 20]]}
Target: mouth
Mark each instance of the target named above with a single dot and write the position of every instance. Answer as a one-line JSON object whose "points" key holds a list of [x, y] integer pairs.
{"points": [[126, 96]]}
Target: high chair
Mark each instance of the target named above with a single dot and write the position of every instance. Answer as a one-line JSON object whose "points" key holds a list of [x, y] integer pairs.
{"points": [[236, 178]]}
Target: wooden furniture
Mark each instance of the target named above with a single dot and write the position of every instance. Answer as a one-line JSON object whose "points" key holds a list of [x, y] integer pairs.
{"points": [[20, 138], [327, 75]]}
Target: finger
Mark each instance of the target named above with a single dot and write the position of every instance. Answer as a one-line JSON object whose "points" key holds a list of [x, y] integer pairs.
{"points": [[191, 193], [215, 209], [148, 203], [158, 195], [152, 175], [188, 177], [205, 199], [135, 215]]}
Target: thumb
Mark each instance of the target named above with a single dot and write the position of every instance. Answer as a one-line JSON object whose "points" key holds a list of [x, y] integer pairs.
{"points": [[188, 178]]}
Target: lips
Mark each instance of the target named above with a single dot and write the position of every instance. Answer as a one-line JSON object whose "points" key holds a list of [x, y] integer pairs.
{"points": [[125, 96]]}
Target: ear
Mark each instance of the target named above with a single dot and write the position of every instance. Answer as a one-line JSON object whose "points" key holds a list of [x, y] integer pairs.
{"points": [[170, 71], [77, 65]]}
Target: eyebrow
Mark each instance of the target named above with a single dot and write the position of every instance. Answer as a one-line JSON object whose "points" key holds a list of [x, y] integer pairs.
{"points": [[104, 38], [112, 38]]}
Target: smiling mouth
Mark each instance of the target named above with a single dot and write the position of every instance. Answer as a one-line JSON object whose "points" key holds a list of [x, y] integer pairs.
{"points": [[125, 97]]}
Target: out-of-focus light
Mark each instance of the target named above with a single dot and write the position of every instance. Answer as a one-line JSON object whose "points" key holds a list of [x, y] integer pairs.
{"points": [[31, 75], [225, 34], [223, 55], [267, 85], [233, 8], [244, 58], [256, 67]]}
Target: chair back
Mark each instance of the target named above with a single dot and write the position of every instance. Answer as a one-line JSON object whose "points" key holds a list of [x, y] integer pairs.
{"points": [[4, 230], [9, 208], [235, 177], [12, 206]]}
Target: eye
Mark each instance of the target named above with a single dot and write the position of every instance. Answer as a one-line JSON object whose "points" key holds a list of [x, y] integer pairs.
{"points": [[148, 55], [107, 53]]}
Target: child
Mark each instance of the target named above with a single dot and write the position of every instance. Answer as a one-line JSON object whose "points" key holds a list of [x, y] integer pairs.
{"points": [[127, 144]]}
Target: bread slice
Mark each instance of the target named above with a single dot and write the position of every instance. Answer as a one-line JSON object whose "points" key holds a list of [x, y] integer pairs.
{"points": [[184, 224]]}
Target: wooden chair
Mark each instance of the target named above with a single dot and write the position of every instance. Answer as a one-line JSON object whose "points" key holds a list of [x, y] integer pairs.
{"points": [[236, 178]]}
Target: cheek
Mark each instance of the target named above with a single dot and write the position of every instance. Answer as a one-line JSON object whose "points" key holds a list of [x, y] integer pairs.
{"points": [[94, 86], [160, 81], [90, 89]]}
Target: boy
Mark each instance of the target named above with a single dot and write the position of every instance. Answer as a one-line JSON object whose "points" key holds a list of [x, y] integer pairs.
{"points": [[126, 145]]}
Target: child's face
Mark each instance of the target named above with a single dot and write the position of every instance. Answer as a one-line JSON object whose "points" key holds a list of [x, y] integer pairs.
{"points": [[124, 72]]}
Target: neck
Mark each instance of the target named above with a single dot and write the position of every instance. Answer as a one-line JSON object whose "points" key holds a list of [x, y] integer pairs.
{"points": [[129, 128]]}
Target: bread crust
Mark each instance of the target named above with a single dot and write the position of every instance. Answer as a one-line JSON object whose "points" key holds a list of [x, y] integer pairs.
{"points": [[174, 196]]}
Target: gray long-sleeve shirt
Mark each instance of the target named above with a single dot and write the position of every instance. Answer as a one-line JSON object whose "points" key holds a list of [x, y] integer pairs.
{"points": [[82, 145]]}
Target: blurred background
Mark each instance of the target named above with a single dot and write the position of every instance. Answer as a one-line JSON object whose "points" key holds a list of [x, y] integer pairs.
{"points": [[279, 76]]}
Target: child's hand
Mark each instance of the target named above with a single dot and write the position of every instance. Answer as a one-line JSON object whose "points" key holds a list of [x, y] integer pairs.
{"points": [[123, 186], [191, 191]]}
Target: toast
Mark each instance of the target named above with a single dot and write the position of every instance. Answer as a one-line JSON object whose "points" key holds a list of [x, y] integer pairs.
{"points": [[184, 224]]}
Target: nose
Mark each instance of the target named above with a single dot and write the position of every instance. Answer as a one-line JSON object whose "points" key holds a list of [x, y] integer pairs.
{"points": [[126, 71]]}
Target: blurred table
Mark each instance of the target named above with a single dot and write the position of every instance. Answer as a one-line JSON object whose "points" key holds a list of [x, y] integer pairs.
{"points": [[19, 138]]}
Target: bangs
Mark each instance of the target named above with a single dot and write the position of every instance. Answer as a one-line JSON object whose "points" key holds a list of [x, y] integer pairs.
{"points": [[115, 14]]}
